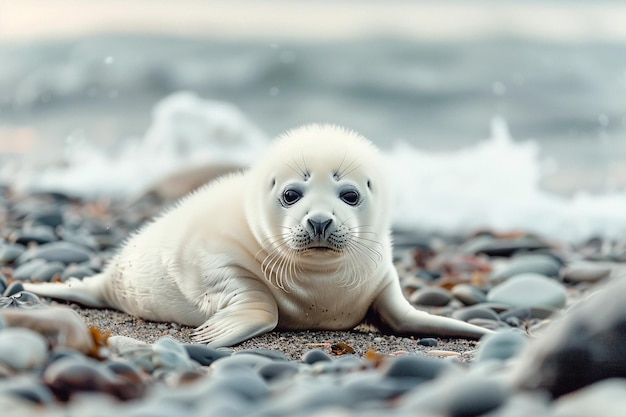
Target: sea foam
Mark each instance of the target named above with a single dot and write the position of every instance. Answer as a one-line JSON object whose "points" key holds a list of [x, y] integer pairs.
{"points": [[493, 184]]}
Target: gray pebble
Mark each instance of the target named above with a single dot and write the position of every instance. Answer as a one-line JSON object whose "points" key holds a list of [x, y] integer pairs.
{"points": [[475, 312], [314, 356], [585, 272], [246, 360], [51, 217], [428, 341], [278, 370], [531, 263], [268, 353], [170, 354], [13, 288], [10, 252], [529, 290], [491, 246], [56, 251], [77, 271], [431, 296], [205, 355], [609, 396], [26, 389], [22, 349], [21, 299], [47, 272], [38, 234], [502, 345], [468, 294], [412, 366], [3, 283], [26, 270]]}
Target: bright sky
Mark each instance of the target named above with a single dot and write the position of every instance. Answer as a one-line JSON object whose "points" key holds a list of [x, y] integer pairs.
{"points": [[314, 20]]}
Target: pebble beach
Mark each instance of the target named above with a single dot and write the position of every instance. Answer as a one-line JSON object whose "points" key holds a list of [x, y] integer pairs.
{"points": [[558, 349]]}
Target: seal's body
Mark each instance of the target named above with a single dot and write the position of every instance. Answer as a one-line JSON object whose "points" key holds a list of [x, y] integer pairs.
{"points": [[300, 241]]}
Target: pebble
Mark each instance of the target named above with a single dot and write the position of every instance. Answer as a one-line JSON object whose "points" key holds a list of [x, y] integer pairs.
{"points": [[502, 345], [48, 272], [468, 294], [22, 299], [314, 356], [431, 296], [585, 272], [529, 290], [606, 398], [39, 235], [77, 271], [529, 263], [64, 252], [475, 312], [413, 366], [26, 270], [10, 252], [22, 349], [428, 341], [205, 355], [491, 246]]}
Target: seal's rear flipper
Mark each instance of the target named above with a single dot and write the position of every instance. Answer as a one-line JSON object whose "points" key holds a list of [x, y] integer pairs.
{"points": [[87, 291]]}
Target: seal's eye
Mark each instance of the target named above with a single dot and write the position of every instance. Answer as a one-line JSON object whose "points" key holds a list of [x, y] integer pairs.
{"points": [[291, 196], [350, 197]]}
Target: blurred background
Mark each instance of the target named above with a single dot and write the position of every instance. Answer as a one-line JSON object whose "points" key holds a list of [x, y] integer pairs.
{"points": [[531, 92]]}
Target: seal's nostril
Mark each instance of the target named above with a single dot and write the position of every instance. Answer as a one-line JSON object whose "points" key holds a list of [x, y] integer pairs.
{"points": [[319, 227]]}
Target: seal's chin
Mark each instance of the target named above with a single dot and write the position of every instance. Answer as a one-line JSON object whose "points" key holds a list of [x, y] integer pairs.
{"points": [[320, 250]]}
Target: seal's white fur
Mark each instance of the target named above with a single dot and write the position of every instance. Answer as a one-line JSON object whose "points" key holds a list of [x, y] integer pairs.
{"points": [[300, 241]]}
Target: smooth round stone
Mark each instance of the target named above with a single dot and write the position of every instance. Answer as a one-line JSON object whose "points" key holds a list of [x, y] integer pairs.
{"points": [[278, 370], [126, 370], [244, 381], [468, 295], [491, 246], [459, 396], [529, 290], [372, 386], [585, 272], [428, 341], [57, 251], [21, 299], [79, 237], [26, 389], [77, 271], [475, 312], [121, 345], [502, 345], [527, 313], [68, 376], [22, 349], [3, 283], [10, 252], [170, 354], [532, 263], [606, 398], [13, 288], [52, 217], [477, 397], [411, 366], [431, 296], [314, 356], [39, 235], [26, 270], [205, 355], [245, 360], [47, 272], [268, 353], [62, 326]]}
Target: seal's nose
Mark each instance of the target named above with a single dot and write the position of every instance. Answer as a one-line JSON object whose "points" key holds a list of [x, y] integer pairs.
{"points": [[319, 226]]}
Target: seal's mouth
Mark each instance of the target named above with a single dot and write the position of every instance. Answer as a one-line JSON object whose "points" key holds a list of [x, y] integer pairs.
{"points": [[320, 249]]}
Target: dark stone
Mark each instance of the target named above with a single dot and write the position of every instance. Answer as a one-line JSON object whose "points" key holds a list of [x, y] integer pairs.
{"points": [[476, 397], [278, 370], [314, 356], [475, 312], [26, 389], [502, 345], [428, 341], [431, 296], [21, 299], [10, 252], [52, 217], [410, 366], [203, 354], [585, 346], [492, 246], [77, 271], [26, 270], [39, 235], [48, 272], [13, 288]]}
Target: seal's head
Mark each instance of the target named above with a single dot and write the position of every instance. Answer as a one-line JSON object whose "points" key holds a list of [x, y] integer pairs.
{"points": [[322, 199]]}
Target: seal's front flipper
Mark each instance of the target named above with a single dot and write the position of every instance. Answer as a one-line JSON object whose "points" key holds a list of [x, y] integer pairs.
{"points": [[396, 313], [87, 291], [239, 321]]}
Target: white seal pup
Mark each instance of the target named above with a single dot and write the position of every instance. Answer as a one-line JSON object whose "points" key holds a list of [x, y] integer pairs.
{"points": [[300, 241]]}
